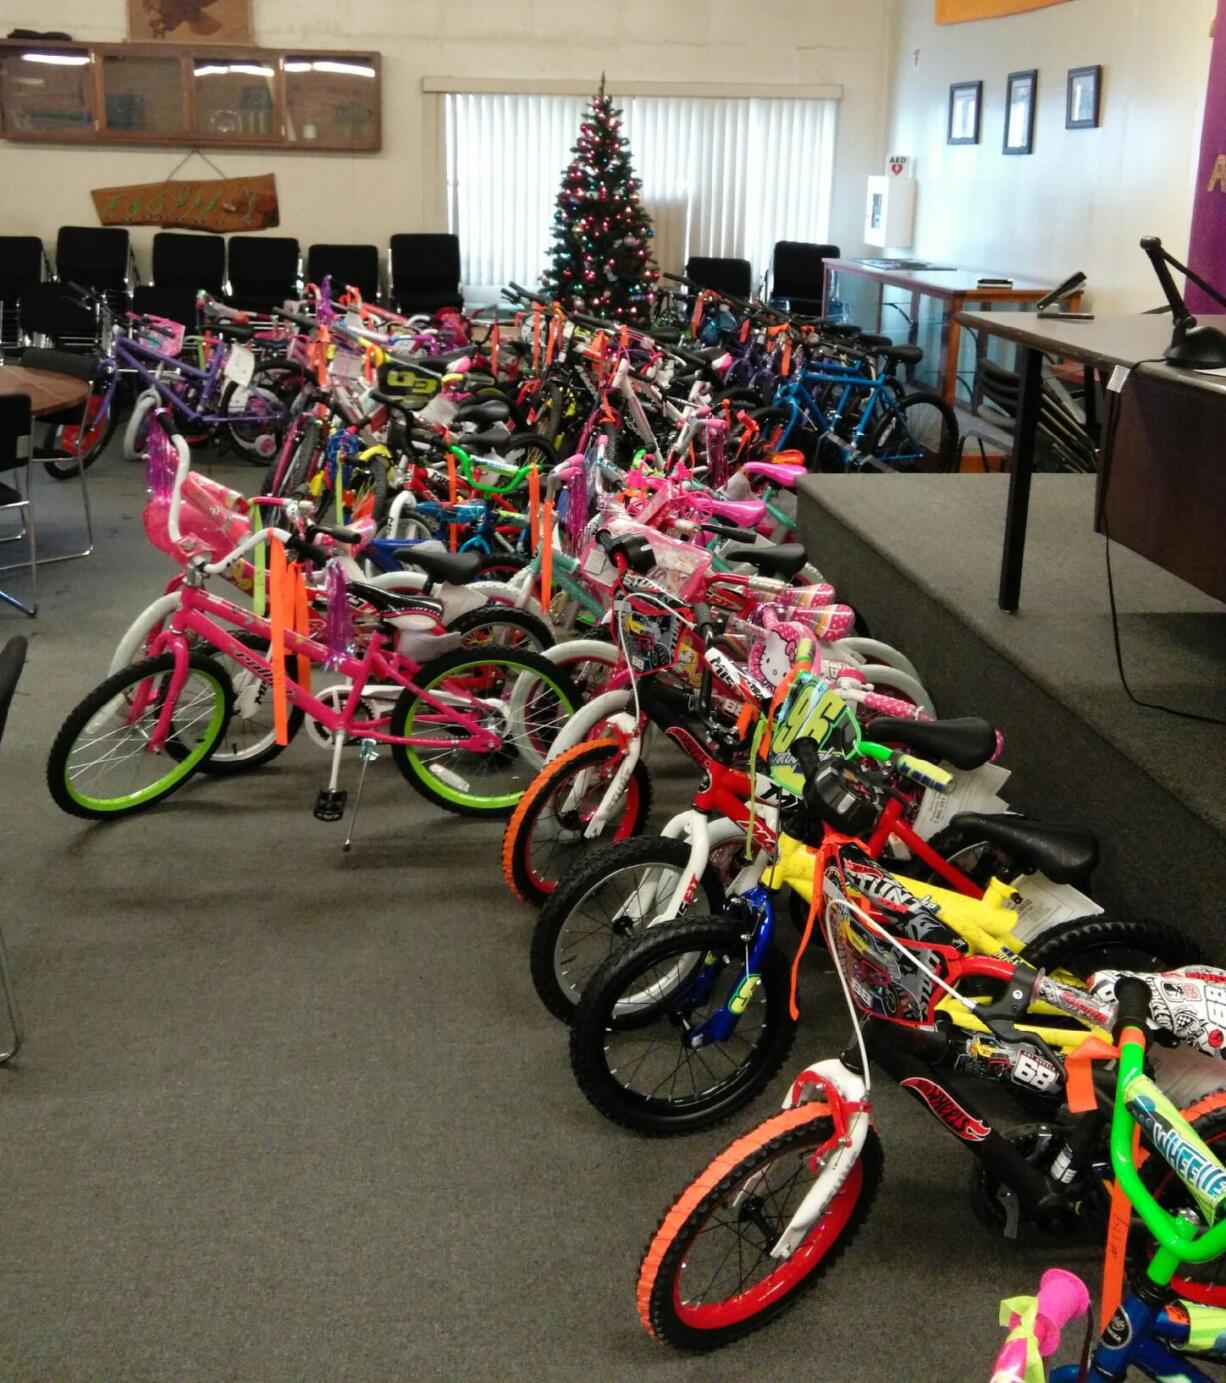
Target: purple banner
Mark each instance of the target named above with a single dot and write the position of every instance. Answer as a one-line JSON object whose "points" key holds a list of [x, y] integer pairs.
{"points": [[1207, 254]]}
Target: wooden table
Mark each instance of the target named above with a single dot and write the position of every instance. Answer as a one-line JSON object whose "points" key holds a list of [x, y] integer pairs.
{"points": [[49, 392], [1185, 508], [955, 287]]}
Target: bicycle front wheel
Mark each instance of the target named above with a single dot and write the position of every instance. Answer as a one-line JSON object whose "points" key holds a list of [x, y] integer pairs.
{"points": [[630, 1047], [708, 1277], [918, 433], [547, 836], [101, 765], [482, 687]]}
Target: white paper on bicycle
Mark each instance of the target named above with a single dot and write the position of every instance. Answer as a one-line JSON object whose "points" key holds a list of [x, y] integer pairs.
{"points": [[974, 790], [240, 365], [1044, 903], [439, 410]]}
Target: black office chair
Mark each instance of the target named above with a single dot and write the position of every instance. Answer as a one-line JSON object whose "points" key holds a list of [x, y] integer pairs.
{"points": [[95, 257], [264, 270], [345, 265], [12, 659], [183, 265], [22, 264], [424, 273], [798, 276], [16, 448], [83, 367], [732, 276]]}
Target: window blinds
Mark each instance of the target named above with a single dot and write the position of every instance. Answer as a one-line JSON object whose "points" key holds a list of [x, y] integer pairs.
{"points": [[721, 176]]}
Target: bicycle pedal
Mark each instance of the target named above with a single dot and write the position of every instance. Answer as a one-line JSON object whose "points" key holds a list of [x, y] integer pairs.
{"points": [[330, 806]]}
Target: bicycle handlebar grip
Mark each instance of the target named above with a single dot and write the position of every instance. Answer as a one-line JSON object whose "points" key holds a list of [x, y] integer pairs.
{"points": [[808, 757], [1132, 999], [704, 621], [165, 420], [311, 551], [296, 317], [922, 772], [728, 530]]}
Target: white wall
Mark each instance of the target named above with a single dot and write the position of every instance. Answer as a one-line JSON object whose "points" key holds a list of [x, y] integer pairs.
{"points": [[369, 197], [1084, 198]]}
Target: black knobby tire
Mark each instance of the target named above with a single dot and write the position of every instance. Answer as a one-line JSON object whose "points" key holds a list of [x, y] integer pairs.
{"points": [[501, 566], [732, 1183], [531, 632], [1087, 944], [182, 763], [561, 701], [557, 972], [672, 954], [298, 466], [932, 426], [522, 448]]}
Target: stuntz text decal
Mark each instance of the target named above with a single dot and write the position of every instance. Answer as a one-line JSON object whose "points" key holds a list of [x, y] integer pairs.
{"points": [[947, 1109]]}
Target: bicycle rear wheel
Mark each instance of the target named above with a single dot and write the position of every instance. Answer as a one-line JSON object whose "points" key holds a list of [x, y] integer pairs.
{"points": [[100, 766], [707, 1277], [480, 684]]}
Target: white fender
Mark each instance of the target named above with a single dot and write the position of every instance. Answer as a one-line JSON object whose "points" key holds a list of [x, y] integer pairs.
{"points": [[585, 720], [132, 645]]}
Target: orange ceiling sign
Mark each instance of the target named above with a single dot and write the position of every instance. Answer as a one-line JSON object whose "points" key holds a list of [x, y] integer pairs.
{"points": [[958, 11]]}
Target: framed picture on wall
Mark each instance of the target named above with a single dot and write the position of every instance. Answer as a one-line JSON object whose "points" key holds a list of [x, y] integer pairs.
{"points": [[190, 21], [1083, 104], [965, 104], [1020, 96]]}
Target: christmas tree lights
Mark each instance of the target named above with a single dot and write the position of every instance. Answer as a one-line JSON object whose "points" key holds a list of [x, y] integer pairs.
{"points": [[602, 261]]}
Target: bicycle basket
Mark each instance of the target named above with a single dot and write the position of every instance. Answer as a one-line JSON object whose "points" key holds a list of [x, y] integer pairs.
{"points": [[882, 982], [166, 339]]}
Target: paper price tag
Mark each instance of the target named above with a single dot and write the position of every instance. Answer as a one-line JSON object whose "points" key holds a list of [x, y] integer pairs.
{"points": [[240, 365], [974, 790], [1042, 904], [597, 564]]}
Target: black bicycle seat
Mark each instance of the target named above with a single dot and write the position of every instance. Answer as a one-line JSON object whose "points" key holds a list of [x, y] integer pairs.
{"points": [[902, 355], [484, 414], [439, 564], [775, 559], [965, 742], [1066, 854]]}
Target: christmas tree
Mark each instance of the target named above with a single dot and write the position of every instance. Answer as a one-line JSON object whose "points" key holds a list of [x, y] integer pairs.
{"points": [[601, 257]]}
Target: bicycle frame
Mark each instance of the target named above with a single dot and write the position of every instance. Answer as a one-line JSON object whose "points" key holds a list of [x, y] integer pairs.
{"points": [[193, 618]]}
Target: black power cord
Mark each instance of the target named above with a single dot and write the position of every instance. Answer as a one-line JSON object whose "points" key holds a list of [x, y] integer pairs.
{"points": [[1107, 448]]}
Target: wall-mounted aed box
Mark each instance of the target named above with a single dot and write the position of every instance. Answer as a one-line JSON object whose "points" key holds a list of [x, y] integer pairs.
{"points": [[889, 213]]}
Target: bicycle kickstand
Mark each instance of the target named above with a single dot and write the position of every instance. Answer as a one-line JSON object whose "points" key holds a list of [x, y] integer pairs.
{"points": [[368, 752]]}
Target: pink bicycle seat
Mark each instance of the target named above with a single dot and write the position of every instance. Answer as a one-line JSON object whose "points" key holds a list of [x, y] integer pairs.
{"points": [[744, 513], [777, 472]]}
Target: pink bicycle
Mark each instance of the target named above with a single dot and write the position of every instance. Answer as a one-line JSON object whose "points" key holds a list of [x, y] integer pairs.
{"points": [[468, 729]]}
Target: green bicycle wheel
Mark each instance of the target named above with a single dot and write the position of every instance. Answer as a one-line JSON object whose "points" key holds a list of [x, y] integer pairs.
{"points": [[100, 766], [480, 683]]}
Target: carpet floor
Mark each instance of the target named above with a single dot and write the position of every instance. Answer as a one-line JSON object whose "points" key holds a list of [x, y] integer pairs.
{"points": [[286, 1113]]}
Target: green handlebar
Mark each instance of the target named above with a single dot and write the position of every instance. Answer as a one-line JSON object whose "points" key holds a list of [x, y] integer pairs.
{"points": [[514, 477], [1187, 1155]]}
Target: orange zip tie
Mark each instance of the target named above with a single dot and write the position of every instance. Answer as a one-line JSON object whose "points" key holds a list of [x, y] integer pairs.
{"points": [[536, 338], [534, 509], [276, 628], [495, 342], [302, 624], [1117, 1242], [699, 303], [547, 554]]}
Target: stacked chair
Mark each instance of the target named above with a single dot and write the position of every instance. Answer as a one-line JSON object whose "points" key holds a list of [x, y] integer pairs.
{"points": [[183, 264]]}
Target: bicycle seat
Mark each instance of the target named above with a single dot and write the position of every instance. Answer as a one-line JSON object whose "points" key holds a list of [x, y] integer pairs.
{"points": [[902, 355], [474, 442], [234, 330], [1066, 854], [485, 414], [744, 513], [777, 472], [439, 564], [774, 559], [965, 742]]}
